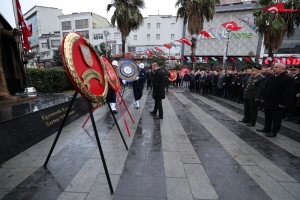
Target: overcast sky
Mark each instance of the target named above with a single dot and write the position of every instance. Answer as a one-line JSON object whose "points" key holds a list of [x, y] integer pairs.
{"points": [[165, 7]]}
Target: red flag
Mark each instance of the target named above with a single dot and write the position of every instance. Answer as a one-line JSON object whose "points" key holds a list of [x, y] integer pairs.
{"points": [[167, 46], [30, 28], [186, 41], [231, 26], [205, 34], [158, 49], [183, 58], [278, 7], [22, 23], [232, 59], [194, 59], [180, 40]]}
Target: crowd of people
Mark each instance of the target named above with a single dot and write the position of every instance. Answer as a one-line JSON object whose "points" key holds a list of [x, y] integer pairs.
{"points": [[275, 91]]}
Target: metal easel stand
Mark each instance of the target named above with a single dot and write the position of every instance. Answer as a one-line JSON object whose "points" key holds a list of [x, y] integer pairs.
{"points": [[96, 134]]}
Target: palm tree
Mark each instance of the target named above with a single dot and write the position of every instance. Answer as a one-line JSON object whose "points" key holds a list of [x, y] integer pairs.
{"points": [[274, 26], [194, 12], [128, 17]]}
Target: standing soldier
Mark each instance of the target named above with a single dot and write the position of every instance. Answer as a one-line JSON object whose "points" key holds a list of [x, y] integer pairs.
{"points": [[254, 90], [138, 85]]}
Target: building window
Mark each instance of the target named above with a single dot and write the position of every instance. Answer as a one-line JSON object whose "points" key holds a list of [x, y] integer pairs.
{"points": [[117, 35], [64, 33], [45, 45], [33, 21], [84, 34], [135, 37], [158, 25], [172, 36], [148, 36], [172, 25], [98, 36], [80, 24], [157, 36], [55, 43], [66, 25], [148, 25]]}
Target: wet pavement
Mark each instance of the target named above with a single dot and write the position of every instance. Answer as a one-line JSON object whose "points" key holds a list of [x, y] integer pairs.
{"points": [[198, 151]]}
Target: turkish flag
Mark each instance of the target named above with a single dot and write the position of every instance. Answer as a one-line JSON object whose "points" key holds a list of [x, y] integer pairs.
{"points": [[24, 27], [167, 46], [205, 34], [231, 25], [278, 7], [186, 41]]}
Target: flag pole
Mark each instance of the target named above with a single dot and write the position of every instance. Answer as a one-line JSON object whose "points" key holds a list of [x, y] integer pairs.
{"points": [[15, 12]]}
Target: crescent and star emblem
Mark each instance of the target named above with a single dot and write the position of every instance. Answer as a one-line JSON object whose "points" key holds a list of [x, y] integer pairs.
{"points": [[90, 74]]}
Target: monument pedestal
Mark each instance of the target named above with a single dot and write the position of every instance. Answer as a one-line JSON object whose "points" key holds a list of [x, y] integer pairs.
{"points": [[25, 123]]}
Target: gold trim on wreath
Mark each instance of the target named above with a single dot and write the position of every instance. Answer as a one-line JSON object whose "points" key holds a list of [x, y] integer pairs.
{"points": [[69, 42]]}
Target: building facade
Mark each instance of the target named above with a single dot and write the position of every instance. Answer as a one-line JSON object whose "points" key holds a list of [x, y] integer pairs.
{"points": [[45, 31]]}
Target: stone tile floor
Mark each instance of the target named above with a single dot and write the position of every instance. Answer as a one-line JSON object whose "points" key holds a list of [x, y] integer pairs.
{"points": [[198, 151]]}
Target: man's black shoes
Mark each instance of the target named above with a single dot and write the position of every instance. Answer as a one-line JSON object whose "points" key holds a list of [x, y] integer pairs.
{"points": [[271, 134], [243, 121], [157, 117], [250, 124], [263, 130]]}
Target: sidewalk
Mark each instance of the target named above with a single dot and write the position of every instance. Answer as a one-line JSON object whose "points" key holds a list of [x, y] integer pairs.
{"points": [[198, 151]]}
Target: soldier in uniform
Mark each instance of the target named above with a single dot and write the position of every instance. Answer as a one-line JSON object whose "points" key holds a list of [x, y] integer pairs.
{"points": [[111, 94], [254, 89], [138, 85], [292, 103], [278, 92]]}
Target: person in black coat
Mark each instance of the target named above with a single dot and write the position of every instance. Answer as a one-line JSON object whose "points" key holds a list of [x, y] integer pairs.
{"points": [[158, 90], [292, 102], [149, 76], [278, 92], [206, 79], [214, 83], [226, 84]]}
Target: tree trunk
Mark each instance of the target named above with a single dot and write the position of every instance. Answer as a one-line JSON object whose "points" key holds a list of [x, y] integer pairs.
{"points": [[193, 48], [123, 46]]}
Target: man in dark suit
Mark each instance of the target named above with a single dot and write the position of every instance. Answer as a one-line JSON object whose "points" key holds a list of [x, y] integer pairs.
{"points": [[278, 92], [292, 102], [226, 84], [254, 89], [206, 79], [158, 90], [149, 76]]}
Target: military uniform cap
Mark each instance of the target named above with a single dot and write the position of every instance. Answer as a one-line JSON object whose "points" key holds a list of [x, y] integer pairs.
{"points": [[256, 67], [294, 68]]}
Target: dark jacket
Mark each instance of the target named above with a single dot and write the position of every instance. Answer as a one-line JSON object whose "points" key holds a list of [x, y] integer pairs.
{"points": [[206, 79], [278, 91], [227, 81], [255, 87], [158, 85], [149, 76], [186, 77], [192, 77], [215, 79]]}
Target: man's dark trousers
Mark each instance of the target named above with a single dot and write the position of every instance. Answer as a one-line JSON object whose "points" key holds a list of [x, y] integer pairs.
{"points": [[275, 115], [158, 106], [250, 110]]}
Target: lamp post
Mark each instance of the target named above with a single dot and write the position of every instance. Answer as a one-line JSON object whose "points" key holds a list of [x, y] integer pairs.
{"points": [[106, 46], [226, 48]]}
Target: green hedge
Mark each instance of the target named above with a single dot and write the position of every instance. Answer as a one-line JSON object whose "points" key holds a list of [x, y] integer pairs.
{"points": [[48, 80]]}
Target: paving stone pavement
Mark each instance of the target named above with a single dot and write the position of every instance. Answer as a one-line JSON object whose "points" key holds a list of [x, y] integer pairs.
{"points": [[198, 151]]}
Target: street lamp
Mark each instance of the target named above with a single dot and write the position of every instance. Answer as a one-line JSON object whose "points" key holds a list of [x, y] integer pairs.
{"points": [[226, 49], [106, 46]]}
